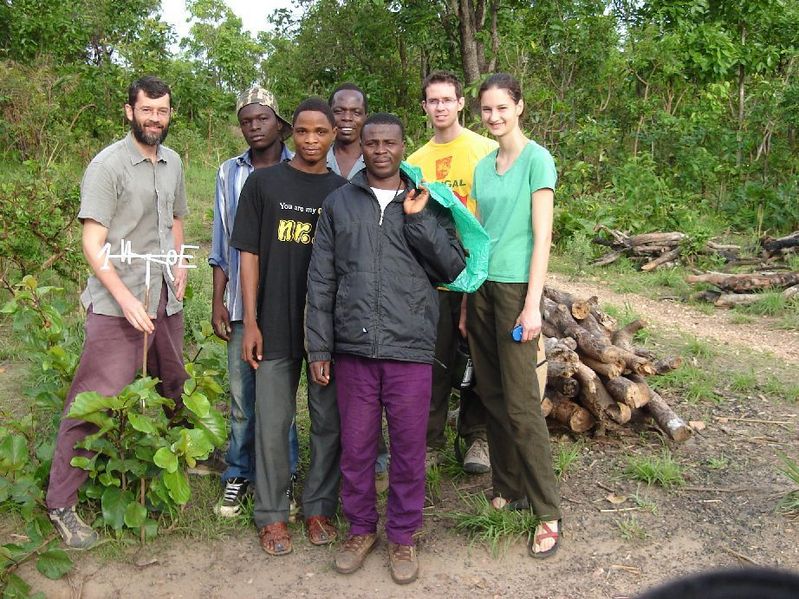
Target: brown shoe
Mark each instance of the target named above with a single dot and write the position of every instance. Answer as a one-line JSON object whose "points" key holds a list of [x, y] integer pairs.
{"points": [[403, 563], [353, 552], [275, 539], [320, 530]]}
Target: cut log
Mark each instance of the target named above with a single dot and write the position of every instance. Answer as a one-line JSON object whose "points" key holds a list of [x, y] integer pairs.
{"points": [[558, 369], [625, 391], [623, 338], [590, 345], [548, 329], [774, 245], [645, 251], [578, 308], [636, 363], [661, 260], [657, 238], [568, 387], [551, 343], [596, 398], [667, 419], [591, 324], [571, 415], [741, 283], [546, 406], [645, 353], [608, 369], [608, 258], [668, 364]]}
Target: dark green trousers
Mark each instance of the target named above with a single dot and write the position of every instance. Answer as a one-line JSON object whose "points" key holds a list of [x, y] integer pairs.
{"points": [[472, 423], [518, 439]]}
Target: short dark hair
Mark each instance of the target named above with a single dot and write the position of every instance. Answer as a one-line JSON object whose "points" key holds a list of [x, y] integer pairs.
{"points": [[384, 118], [153, 88], [504, 81], [349, 85], [442, 77], [314, 104]]}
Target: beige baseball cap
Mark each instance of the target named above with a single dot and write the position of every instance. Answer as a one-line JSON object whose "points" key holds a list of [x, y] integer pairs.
{"points": [[262, 96]]}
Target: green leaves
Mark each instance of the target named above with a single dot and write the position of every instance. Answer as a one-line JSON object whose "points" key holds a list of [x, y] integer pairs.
{"points": [[54, 563], [13, 454], [115, 504], [166, 459], [178, 485]]}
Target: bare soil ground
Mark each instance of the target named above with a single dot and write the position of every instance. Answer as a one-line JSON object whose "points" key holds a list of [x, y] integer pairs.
{"points": [[724, 516]]}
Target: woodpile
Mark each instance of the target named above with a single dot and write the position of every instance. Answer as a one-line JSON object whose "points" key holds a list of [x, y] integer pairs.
{"points": [[596, 376], [745, 289], [665, 249]]}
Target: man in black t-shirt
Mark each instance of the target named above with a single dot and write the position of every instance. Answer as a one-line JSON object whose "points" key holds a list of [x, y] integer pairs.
{"points": [[274, 231]]}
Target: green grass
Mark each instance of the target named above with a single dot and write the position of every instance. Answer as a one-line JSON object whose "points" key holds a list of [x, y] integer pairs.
{"points": [[698, 348], [659, 470], [498, 529], [719, 462], [567, 455], [744, 381], [631, 529], [644, 503], [789, 504], [777, 388], [770, 304], [693, 384]]}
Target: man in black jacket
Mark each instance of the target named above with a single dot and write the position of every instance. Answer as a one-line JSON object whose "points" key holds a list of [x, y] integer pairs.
{"points": [[380, 247]]}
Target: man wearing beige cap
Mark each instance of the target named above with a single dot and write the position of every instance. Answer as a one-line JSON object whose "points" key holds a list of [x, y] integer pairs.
{"points": [[264, 131]]}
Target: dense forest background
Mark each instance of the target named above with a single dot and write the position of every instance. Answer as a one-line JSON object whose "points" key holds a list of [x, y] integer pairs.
{"points": [[662, 114]]}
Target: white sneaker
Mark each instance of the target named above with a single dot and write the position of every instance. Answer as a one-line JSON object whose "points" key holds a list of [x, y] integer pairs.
{"points": [[477, 460], [235, 490]]}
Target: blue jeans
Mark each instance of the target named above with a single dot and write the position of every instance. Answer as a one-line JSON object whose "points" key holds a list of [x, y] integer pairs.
{"points": [[240, 457]]}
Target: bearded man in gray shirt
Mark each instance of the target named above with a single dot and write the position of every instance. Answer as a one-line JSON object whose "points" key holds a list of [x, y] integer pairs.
{"points": [[133, 191]]}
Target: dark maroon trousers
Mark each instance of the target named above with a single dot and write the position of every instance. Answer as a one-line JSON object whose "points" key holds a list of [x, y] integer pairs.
{"points": [[112, 355]]}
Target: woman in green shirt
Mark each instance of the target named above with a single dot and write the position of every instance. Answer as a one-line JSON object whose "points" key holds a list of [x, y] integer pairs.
{"points": [[514, 189]]}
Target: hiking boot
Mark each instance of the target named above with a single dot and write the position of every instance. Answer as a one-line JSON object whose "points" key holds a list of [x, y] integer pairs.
{"points": [[477, 460], [403, 563], [74, 531], [353, 552], [232, 499]]}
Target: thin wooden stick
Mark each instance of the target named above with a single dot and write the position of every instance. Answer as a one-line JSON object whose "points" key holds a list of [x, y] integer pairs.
{"points": [[740, 556]]}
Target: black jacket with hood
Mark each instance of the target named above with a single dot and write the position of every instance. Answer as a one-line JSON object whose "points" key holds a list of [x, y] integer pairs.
{"points": [[371, 279]]}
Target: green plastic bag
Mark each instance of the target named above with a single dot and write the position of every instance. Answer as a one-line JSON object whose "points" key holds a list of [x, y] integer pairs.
{"points": [[473, 237]]}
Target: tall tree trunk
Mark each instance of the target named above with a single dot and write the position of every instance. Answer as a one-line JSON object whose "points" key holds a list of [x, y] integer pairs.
{"points": [[739, 136], [474, 17]]}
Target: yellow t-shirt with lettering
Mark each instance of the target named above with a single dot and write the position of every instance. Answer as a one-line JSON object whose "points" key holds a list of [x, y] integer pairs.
{"points": [[453, 162]]}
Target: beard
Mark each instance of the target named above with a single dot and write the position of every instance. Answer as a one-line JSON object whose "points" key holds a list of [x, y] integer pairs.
{"points": [[148, 139]]}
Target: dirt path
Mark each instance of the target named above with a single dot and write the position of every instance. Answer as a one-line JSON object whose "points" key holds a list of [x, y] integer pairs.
{"points": [[722, 517], [668, 315]]}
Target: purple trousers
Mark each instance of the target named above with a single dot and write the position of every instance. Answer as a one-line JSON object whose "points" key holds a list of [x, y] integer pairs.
{"points": [[112, 355], [365, 387]]}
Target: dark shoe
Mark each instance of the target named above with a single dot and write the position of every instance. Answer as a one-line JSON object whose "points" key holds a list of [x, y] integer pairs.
{"points": [[74, 531], [477, 460], [320, 530], [235, 492], [403, 563], [275, 539], [353, 552]]}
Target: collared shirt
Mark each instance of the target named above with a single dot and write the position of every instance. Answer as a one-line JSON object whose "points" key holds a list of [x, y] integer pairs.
{"points": [[332, 164], [136, 200], [229, 181]]}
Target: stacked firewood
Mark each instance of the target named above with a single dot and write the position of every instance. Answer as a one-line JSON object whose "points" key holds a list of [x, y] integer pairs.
{"points": [[596, 376], [665, 249], [744, 289]]}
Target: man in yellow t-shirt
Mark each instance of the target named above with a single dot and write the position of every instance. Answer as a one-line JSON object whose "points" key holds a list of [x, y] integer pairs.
{"points": [[450, 157]]}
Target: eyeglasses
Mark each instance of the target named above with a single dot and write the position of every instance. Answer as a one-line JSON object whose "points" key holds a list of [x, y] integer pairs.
{"points": [[436, 102], [148, 111]]}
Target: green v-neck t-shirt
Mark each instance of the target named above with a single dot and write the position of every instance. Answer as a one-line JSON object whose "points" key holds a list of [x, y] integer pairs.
{"points": [[504, 208]]}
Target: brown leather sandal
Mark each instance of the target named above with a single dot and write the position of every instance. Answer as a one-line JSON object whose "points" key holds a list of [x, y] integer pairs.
{"points": [[320, 530], [275, 539]]}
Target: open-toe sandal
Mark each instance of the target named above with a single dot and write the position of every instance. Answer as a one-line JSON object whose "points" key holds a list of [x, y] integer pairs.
{"points": [[548, 533]]}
